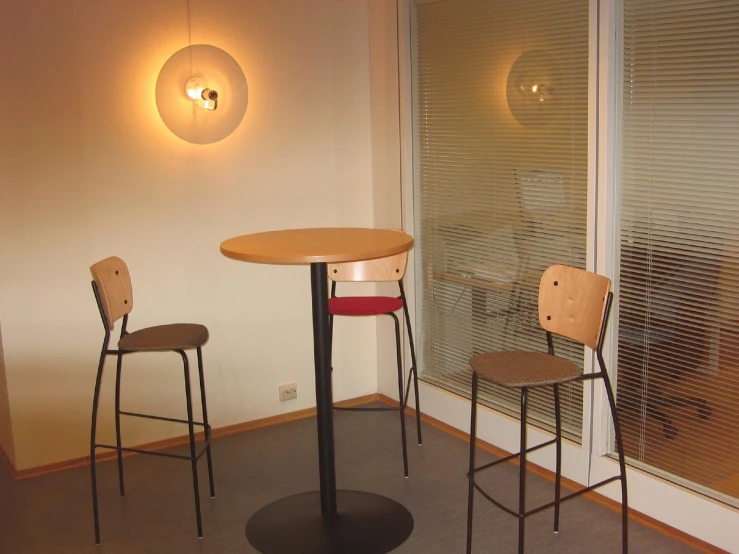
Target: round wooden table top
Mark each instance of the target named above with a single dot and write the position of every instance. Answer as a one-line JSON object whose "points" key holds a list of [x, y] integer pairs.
{"points": [[307, 246]]}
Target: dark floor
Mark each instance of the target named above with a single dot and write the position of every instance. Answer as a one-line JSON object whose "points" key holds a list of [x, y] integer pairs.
{"points": [[53, 513]]}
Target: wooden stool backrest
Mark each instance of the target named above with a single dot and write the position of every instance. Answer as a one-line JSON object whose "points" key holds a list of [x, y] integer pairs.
{"points": [[114, 287], [572, 303], [390, 268]]}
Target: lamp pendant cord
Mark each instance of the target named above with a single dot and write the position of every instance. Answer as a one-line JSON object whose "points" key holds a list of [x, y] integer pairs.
{"points": [[189, 33]]}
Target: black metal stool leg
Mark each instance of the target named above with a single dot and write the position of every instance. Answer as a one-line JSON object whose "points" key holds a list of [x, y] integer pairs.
{"points": [[621, 460], [522, 475], [331, 341], [401, 392], [206, 427], [191, 428], [93, 440], [418, 408], [558, 463], [471, 474], [331, 330], [414, 368], [118, 422]]}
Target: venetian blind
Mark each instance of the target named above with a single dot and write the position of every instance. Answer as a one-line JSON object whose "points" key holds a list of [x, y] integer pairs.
{"points": [[678, 288], [500, 182]]}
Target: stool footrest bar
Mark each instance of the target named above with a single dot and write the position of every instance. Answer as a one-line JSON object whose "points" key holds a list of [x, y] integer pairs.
{"points": [[573, 495], [491, 499], [161, 418], [363, 409], [544, 506], [156, 453], [516, 455]]}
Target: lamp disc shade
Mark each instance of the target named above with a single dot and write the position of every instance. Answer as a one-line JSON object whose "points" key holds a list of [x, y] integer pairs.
{"points": [[219, 72]]}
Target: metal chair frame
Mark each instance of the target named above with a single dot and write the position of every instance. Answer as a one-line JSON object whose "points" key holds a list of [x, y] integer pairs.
{"points": [[403, 390], [522, 513], [94, 445]]}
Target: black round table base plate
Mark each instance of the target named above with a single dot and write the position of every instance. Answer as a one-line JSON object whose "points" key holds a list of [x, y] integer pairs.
{"points": [[366, 523]]}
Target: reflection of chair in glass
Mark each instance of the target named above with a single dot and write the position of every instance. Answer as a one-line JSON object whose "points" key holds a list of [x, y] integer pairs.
{"points": [[543, 235], [389, 269], [114, 295], [573, 303], [498, 252], [665, 333]]}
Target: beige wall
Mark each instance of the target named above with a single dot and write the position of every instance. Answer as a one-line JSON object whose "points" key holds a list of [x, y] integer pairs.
{"points": [[89, 170]]}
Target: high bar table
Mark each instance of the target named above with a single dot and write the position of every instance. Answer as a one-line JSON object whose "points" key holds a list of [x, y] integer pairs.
{"points": [[326, 521]]}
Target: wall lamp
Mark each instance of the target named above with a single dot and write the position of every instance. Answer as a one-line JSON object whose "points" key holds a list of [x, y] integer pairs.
{"points": [[530, 88], [201, 94]]}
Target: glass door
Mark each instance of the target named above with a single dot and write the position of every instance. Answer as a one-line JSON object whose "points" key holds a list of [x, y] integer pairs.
{"points": [[501, 163]]}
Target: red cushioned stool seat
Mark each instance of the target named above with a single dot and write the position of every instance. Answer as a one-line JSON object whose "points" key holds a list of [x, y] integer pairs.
{"points": [[363, 305]]}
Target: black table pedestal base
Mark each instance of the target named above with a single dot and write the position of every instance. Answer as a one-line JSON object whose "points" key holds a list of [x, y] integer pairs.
{"points": [[366, 523]]}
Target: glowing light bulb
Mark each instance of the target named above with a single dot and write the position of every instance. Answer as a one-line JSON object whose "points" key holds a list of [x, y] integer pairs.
{"points": [[195, 87]]}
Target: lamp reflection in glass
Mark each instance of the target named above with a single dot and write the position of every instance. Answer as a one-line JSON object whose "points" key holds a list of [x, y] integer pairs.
{"points": [[531, 86], [540, 92], [198, 90]]}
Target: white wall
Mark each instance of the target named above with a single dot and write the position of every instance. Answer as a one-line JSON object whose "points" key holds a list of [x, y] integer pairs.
{"points": [[89, 170]]}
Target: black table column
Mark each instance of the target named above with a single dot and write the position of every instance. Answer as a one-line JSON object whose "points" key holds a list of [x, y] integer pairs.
{"points": [[324, 396]]}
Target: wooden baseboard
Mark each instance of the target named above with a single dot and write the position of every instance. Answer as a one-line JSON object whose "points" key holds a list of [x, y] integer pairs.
{"points": [[183, 439], [643, 519]]}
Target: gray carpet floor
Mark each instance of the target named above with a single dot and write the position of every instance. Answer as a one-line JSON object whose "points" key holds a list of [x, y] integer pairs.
{"points": [[53, 513]]}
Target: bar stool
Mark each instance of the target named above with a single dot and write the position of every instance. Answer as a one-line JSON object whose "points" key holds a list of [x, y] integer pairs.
{"points": [[573, 303], [388, 269], [114, 296]]}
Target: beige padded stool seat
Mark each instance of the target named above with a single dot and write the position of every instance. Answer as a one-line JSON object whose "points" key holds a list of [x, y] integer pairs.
{"points": [[523, 369], [176, 336]]}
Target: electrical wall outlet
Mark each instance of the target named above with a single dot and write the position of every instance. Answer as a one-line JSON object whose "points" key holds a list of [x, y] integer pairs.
{"points": [[288, 392]]}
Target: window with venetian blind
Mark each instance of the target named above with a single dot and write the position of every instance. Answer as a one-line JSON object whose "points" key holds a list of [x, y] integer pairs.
{"points": [[678, 286], [500, 91]]}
